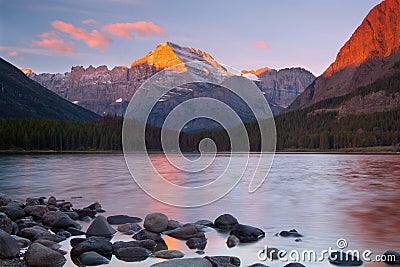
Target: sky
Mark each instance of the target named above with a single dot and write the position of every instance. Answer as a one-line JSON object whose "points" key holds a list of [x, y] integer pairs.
{"points": [[52, 35]]}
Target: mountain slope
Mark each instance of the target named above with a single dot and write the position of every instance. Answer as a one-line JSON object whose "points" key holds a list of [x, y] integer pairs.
{"points": [[20, 97], [372, 52]]}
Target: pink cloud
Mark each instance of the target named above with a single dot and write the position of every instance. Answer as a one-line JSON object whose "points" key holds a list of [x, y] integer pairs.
{"points": [[94, 39], [261, 45], [124, 30], [90, 22], [12, 53], [51, 41]]}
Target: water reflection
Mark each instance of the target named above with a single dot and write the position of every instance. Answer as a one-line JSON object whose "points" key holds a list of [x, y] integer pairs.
{"points": [[325, 197]]}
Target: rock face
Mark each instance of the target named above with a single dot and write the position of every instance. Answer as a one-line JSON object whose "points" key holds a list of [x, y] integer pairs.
{"points": [[282, 87], [108, 91], [371, 53]]}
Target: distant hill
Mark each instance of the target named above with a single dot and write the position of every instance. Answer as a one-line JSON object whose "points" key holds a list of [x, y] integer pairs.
{"points": [[21, 97]]}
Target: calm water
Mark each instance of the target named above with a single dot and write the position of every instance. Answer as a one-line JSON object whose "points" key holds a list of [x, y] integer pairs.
{"points": [[325, 197]]}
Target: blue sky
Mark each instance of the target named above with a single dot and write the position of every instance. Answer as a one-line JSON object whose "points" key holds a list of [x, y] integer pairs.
{"points": [[52, 35]]}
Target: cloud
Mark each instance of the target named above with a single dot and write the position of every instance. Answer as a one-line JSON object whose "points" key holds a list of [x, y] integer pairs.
{"points": [[12, 53], [52, 41], [124, 30], [90, 22], [261, 45], [94, 39]]}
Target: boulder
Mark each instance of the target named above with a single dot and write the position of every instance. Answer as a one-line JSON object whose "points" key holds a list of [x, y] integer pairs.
{"points": [[100, 227], [129, 228], [161, 245], [65, 234], [30, 201], [36, 211], [6, 224], [192, 262], [291, 233], [172, 224], [73, 231], [75, 241], [49, 236], [217, 261], [92, 258], [4, 199], [156, 222], [197, 243], [84, 213], [22, 242], [184, 233], [392, 257], [9, 247], [14, 212], [72, 214], [48, 243], [95, 243], [121, 219], [31, 232], [247, 233], [52, 201], [38, 255], [340, 258], [132, 254], [232, 241], [168, 254], [96, 206], [225, 222], [144, 234], [59, 219], [147, 244]]}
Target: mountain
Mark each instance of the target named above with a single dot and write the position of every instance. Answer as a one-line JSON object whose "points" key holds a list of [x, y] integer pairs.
{"points": [[372, 53], [105, 91], [281, 86], [20, 97]]}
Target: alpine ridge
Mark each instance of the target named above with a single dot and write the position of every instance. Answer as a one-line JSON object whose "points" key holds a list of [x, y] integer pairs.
{"points": [[371, 53]]}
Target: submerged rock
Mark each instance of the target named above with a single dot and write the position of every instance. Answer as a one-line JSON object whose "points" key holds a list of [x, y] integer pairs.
{"points": [[192, 262], [247, 233], [92, 258], [38, 255], [100, 227], [168, 254], [132, 254], [291, 233], [225, 222], [122, 219], [156, 222], [344, 259]]}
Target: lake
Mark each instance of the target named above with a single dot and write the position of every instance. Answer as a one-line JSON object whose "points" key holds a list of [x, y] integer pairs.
{"points": [[324, 196]]}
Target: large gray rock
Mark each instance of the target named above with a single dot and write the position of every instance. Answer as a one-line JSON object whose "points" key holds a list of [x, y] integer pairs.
{"points": [[247, 233], [5, 223], [9, 247], [31, 232], [184, 233], [147, 244], [4, 199], [129, 228], [14, 212], [144, 234], [121, 219], [100, 227], [37, 211], [168, 254], [225, 222], [156, 222], [132, 254], [38, 255], [98, 244], [59, 219], [192, 262], [92, 258], [226, 261]]}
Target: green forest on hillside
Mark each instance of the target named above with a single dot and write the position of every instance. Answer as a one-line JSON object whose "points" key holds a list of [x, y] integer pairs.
{"points": [[297, 130]]}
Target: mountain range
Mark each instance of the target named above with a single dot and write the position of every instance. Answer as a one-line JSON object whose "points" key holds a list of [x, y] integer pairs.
{"points": [[105, 91]]}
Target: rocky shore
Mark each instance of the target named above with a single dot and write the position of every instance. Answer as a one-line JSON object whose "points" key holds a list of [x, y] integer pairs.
{"points": [[30, 234]]}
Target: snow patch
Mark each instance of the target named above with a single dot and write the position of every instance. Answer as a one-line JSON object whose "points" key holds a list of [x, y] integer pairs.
{"points": [[251, 76]]}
